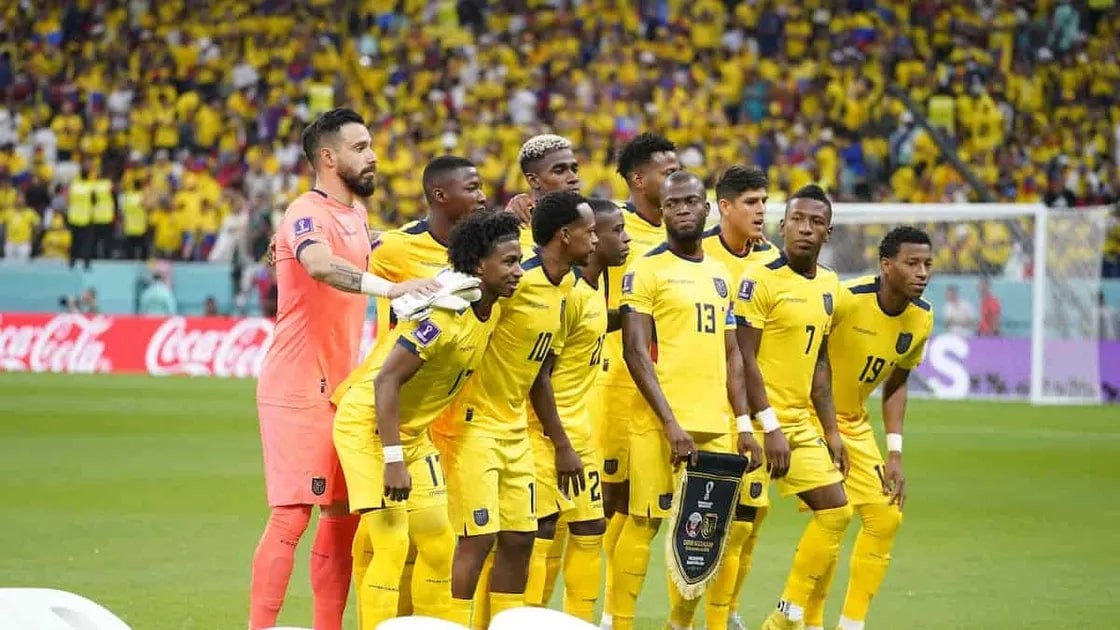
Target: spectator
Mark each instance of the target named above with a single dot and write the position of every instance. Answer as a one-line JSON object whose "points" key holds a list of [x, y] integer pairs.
{"points": [[210, 307], [21, 229], [958, 315], [989, 311], [157, 299]]}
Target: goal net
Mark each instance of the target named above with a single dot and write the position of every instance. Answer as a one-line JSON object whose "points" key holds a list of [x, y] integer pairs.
{"points": [[1015, 291]]}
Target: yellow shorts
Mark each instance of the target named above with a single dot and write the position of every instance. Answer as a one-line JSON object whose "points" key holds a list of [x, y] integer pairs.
{"points": [[363, 462], [810, 464], [864, 484], [611, 408], [755, 491], [652, 477], [491, 484], [585, 506]]}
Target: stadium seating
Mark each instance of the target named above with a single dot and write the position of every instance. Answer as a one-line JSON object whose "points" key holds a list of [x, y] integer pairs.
{"points": [[532, 617], [50, 609]]}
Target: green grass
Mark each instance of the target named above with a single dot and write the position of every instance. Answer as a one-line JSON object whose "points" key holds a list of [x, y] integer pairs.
{"points": [[146, 495]]}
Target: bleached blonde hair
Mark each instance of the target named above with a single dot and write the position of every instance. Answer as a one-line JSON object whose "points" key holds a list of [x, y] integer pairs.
{"points": [[539, 146]]}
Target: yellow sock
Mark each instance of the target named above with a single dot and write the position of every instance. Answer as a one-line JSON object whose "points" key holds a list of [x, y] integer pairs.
{"points": [[460, 612], [362, 552], [722, 587], [631, 561], [870, 557], [583, 570], [505, 601], [681, 610], [746, 558], [538, 570], [435, 548], [480, 617], [555, 560], [814, 608], [387, 531], [818, 546], [404, 604], [610, 541]]}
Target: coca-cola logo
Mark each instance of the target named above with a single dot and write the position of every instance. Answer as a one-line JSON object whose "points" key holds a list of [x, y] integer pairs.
{"points": [[237, 351], [65, 343]]}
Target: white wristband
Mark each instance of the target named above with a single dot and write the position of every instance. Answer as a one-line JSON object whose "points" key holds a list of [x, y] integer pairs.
{"points": [[894, 442], [743, 424], [768, 419], [375, 285], [393, 454]]}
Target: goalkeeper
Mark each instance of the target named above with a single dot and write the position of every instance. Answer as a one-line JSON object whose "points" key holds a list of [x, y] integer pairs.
{"points": [[392, 468]]}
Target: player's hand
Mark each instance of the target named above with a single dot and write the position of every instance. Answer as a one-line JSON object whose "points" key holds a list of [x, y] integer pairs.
{"points": [[398, 484], [751, 449], [839, 453], [420, 286], [270, 257], [777, 453], [374, 235], [569, 471], [521, 206], [681, 446], [894, 482]]}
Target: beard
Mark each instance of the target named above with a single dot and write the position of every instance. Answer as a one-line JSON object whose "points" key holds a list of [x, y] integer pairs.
{"points": [[694, 234], [359, 184]]}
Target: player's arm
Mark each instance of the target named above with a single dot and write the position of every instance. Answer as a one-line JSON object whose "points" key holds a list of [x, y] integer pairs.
{"points": [[637, 335], [402, 364], [737, 396], [569, 466], [752, 312], [614, 320], [322, 265], [821, 395], [895, 393]]}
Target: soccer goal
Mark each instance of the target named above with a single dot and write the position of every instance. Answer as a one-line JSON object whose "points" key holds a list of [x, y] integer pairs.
{"points": [[1040, 267]]}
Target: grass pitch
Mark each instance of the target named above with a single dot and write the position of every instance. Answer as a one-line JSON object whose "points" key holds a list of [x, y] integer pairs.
{"points": [[146, 495]]}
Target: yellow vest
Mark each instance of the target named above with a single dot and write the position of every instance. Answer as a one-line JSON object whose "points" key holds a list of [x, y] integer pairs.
{"points": [[103, 206], [320, 98], [80, 210], [942, 112], [133, 214]]}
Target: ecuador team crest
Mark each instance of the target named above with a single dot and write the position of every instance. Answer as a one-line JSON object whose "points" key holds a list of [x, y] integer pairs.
{"points": [[721, 287], [902, 344], [827, 303]]}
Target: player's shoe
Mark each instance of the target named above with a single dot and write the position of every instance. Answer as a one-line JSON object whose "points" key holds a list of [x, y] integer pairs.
{"points": [[779, 621], [736, 622]]}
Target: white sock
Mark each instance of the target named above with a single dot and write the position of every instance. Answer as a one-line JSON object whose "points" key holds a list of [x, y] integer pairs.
{"points": [[850, 624], [792, 611], [606, 622]]}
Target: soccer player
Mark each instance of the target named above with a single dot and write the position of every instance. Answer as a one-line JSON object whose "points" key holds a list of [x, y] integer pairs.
{"points": [[484, 436], [322, 247], [392, 469], [573, 374], [679, 346], [879, 334], [783, 312], [739, 241], [418, 249], [549, 165], [644, 163]]}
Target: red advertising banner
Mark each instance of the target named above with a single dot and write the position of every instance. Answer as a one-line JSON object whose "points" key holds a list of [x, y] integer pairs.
{"points": [[195, 346]]}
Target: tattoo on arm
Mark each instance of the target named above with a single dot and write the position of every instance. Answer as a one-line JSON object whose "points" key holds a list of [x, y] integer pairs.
{"points": [[345, 278]]}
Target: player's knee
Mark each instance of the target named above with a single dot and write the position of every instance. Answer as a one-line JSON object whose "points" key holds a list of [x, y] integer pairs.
{"points": [[516, 543], [290, 520], [598, 527], [336, 508], [546, 526], [389, 536], [835, 519], [881, 521]]}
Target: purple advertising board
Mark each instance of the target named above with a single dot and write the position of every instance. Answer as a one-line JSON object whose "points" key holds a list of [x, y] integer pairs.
{"points": [[966, 367]]}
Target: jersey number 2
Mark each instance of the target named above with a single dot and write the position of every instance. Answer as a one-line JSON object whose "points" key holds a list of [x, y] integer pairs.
{"points": [[597, 351], [705, 318]]}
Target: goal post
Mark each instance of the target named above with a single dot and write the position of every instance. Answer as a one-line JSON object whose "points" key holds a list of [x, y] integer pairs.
{"points": [[1040, 267]]}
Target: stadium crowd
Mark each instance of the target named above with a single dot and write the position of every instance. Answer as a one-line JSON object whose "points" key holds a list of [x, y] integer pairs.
{"points": [[177, 124]]}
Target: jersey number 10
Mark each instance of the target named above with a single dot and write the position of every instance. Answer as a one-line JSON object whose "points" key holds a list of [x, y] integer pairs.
{"points": [[541, 347]]}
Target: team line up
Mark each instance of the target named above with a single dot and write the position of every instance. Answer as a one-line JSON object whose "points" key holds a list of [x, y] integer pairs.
{"points": [[544, 375]]}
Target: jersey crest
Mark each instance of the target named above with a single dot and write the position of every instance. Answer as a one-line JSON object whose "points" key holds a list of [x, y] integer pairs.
{"points": [[427, 332], [746, 290], [721, 287], [902, 344], [827, 303]]}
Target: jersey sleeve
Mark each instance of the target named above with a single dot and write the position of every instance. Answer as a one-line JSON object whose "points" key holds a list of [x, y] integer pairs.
{"points": [[917, 352], [428, 337], [639, 288], [303, 225], [386, 255], [753, 298]]}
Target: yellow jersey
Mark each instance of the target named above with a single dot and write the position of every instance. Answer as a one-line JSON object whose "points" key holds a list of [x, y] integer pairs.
{"points": [[866, 344], [736, 263], [691, 308], [794, 313], [532, 325], [451, 345], [644, 236], [577, 366], [402, 254]]}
